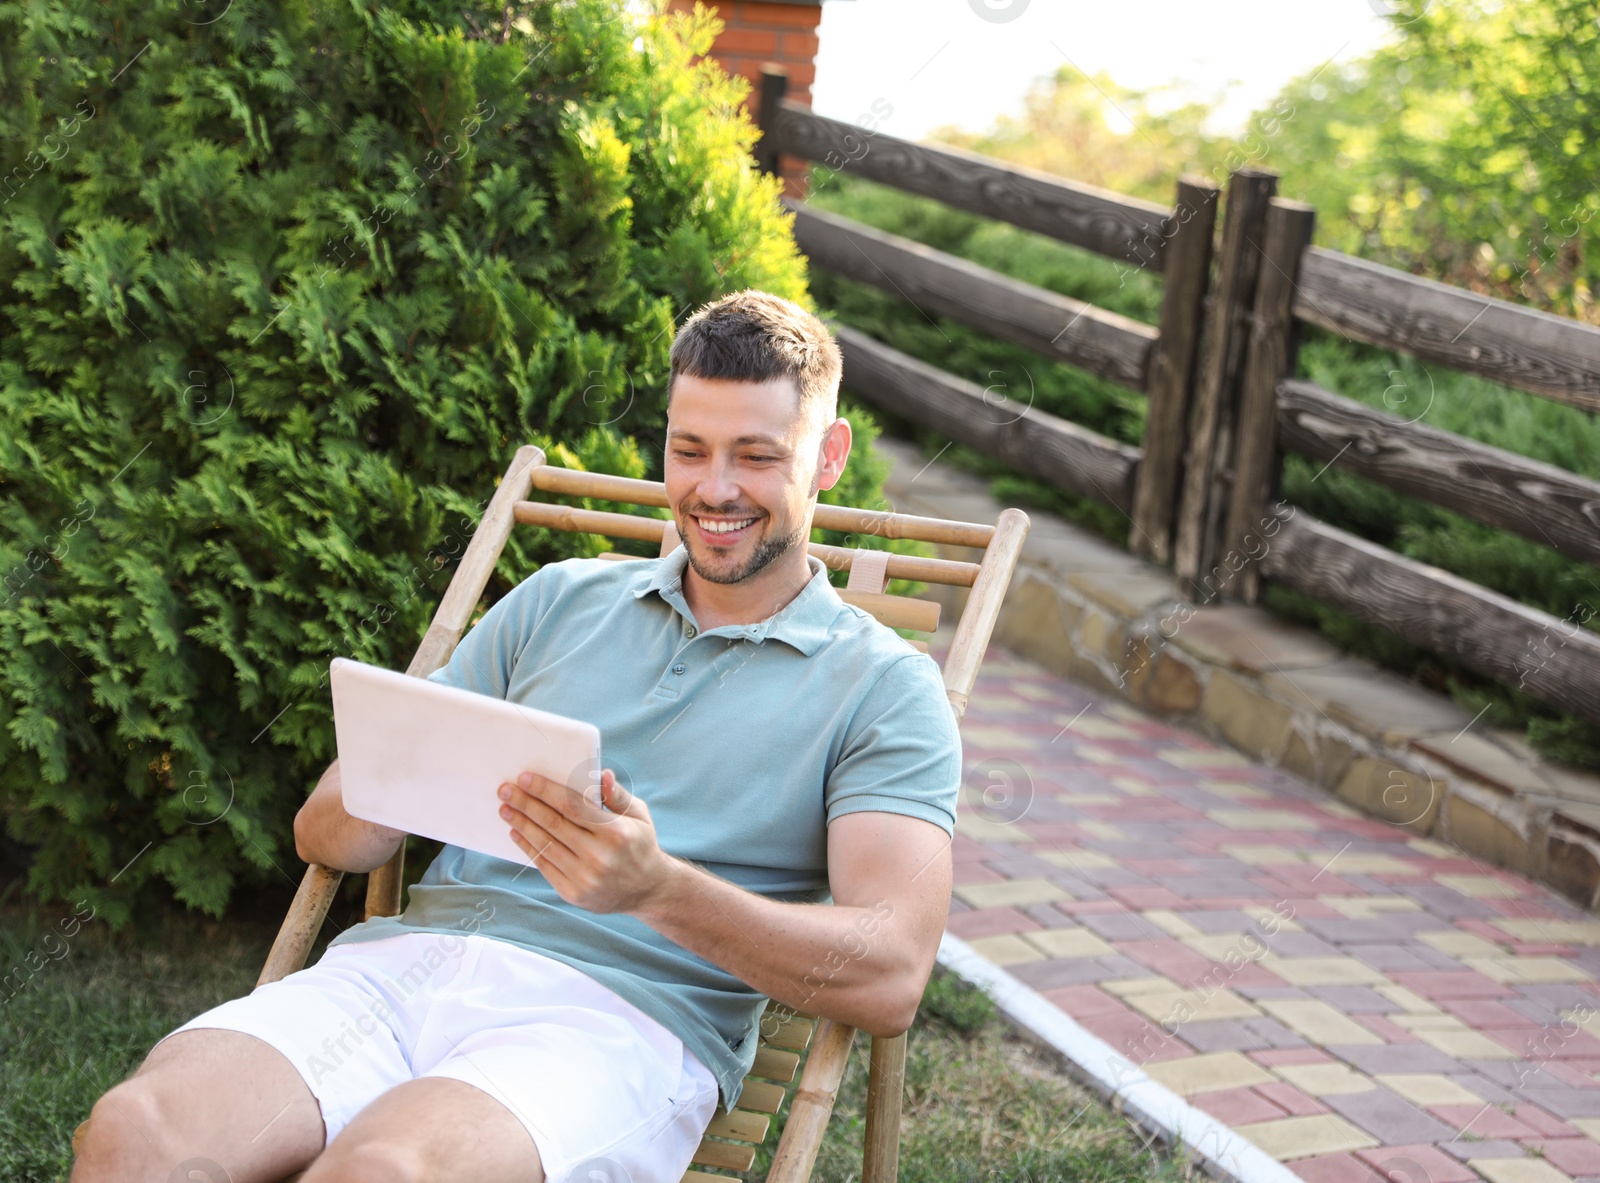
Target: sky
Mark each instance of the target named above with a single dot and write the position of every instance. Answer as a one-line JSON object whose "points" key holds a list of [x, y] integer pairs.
{"points": [[965, 62]]}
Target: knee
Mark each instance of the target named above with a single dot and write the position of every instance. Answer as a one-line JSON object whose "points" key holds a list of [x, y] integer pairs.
{"points": [[127, 1135], [367, 1162]]}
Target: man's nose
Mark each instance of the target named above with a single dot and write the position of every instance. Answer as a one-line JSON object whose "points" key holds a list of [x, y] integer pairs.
{"points": [[718, 485]]}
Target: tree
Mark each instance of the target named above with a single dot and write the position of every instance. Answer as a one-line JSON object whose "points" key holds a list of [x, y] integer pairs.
{"points": [[282, 288]]}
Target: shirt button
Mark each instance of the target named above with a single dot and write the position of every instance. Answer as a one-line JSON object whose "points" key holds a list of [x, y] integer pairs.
{"points": [[688, 630], [678, 669]]}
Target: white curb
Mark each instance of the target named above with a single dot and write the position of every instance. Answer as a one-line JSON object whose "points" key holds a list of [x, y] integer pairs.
{"points": [[1114, 1077]]}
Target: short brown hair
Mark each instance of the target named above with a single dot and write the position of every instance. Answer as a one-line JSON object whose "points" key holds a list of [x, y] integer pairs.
{"points": [[753, 336]]}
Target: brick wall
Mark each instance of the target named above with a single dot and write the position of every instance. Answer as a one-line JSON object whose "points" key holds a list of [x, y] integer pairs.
{"points": [[768, 31]]}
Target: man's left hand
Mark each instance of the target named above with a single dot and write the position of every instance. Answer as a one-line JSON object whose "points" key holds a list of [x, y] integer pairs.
{"points": [[603, 859]]}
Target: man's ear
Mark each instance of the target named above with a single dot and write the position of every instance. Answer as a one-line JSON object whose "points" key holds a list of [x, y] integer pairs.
{"points": [[835, 451]]}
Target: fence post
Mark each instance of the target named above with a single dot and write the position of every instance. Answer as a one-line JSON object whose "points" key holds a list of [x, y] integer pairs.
{"points": [[1206, 469], [1257, 465], [774, 86], [1186, 267]]}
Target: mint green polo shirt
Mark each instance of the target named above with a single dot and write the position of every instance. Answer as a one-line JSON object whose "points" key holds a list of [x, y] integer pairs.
{"points": [[745, 741]]}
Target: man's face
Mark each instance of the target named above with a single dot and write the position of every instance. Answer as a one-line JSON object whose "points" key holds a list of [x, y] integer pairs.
{"points": [[742, 466]]}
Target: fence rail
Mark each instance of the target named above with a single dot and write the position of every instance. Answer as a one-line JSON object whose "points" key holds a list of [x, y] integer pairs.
{"points": [[1523, 347], [1055, 326], [1107, 223], [1539, 501], [1030, 440], [1224, 403]]}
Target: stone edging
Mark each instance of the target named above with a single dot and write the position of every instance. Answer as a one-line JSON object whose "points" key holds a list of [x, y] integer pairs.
{"points": [[1386, 746]]}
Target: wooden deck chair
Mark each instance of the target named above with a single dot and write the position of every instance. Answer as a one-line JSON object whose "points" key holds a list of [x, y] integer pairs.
{"points": [[732, 1139]]}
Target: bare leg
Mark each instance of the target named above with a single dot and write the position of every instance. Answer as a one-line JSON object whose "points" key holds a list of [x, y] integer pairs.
{"points": [[433, 1129], [212, 1095]]}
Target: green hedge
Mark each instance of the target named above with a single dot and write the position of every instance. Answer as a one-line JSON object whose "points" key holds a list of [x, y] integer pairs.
{"points": [[282, 288]]}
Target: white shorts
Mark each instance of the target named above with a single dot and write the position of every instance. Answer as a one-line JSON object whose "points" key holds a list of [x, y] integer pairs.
{"points": [[598, 1083]]}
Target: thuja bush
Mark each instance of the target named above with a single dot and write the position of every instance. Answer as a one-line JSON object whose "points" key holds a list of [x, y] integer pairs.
{"points": [[283, 286]]}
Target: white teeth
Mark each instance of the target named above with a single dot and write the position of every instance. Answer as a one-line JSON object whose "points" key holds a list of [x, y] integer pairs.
{"points": [[711, 527]]}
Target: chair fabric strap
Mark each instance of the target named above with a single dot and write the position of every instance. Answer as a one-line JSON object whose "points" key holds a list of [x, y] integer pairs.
{"points": [[869, 570]]}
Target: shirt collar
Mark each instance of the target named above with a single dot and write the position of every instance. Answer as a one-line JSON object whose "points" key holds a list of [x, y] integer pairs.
{"points": [[802, 623]]}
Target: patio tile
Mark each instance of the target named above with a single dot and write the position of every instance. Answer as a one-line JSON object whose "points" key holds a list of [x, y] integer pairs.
{"points": [[1490, 1148], [1319, 1023], [1290, 1099], [1519, 1170], [1067, 942], [1009, 893], [1325, 1080], [1388, 1117], [1236, 1106], [1289, 1138], [1466, 1045], [1208, 1073], [1549, 1125], [1403, 1058], [1322, 971], [1576, 1156], [1335, 1168], [1357, 1000], [1483, 1120], [1246, 1035], [1417, 1164], [988, 922], [1429, 1089], [1299, 1055], [1006, 949], [1436, 985], [1079, 1001]]}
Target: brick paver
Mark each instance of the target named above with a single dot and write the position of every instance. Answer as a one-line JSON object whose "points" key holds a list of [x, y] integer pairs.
{"points": [[1363, 1003]]}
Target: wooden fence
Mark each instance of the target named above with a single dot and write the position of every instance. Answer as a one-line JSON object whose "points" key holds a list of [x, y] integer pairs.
{"points": [[1202, 492]]}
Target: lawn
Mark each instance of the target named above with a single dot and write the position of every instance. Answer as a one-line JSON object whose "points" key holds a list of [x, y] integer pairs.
{"points": [[982, 1103]]}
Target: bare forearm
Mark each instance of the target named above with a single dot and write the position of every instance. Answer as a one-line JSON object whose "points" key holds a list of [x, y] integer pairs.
{"points": [[858, 965], [325, 834]]}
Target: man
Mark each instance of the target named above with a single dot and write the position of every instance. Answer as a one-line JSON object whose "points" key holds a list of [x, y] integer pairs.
{"points": [[767, 746]]}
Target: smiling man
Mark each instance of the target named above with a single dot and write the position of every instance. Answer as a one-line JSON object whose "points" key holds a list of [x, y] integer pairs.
{"points": [[773, 822]]}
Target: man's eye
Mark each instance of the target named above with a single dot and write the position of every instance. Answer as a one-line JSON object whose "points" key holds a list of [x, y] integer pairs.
{"points": [[759, 458]]}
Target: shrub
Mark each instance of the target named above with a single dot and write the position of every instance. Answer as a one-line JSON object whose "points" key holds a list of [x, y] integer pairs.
{"points": [[282, 288]]}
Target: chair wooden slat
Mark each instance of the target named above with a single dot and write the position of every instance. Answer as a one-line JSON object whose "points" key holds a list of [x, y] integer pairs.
{"points": [[570, 482], [794, 1034], [741, 1126], [761, 1096], [838, 558], [703, 1177], [920, 616], [772, 1064], [730, 1156]]}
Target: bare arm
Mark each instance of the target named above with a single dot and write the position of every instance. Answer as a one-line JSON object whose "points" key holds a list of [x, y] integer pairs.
{"points": [[325, 834], [862, 961]]}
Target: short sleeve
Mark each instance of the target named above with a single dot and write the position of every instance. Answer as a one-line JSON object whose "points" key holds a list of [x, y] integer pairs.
{"points": [[902, 751], [485, 658]]}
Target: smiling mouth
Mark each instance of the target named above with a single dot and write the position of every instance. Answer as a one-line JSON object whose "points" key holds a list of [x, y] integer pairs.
{"points": [[723, 530]]}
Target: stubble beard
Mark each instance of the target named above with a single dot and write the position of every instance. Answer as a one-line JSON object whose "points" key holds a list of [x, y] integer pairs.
{"points": [[767, 551]]}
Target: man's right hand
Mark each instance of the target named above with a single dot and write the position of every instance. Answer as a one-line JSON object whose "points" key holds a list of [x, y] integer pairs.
{"points": [[327, 835]]}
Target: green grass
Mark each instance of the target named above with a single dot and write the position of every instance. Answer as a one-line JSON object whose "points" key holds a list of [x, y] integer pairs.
{"points": [[981, 1103]]}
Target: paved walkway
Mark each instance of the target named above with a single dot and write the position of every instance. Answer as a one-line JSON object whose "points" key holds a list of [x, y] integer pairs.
{"points": [[1359, 1003]]}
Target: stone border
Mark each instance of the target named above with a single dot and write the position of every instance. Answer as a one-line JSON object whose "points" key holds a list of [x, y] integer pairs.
{"points": [[1386, 746], [1221, 1151]]}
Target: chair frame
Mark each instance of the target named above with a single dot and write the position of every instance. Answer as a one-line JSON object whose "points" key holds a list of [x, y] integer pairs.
{"points": [[831, 1041]]}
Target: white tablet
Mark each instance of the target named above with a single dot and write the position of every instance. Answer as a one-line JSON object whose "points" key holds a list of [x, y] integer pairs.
{"points": [[430, 759]]}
